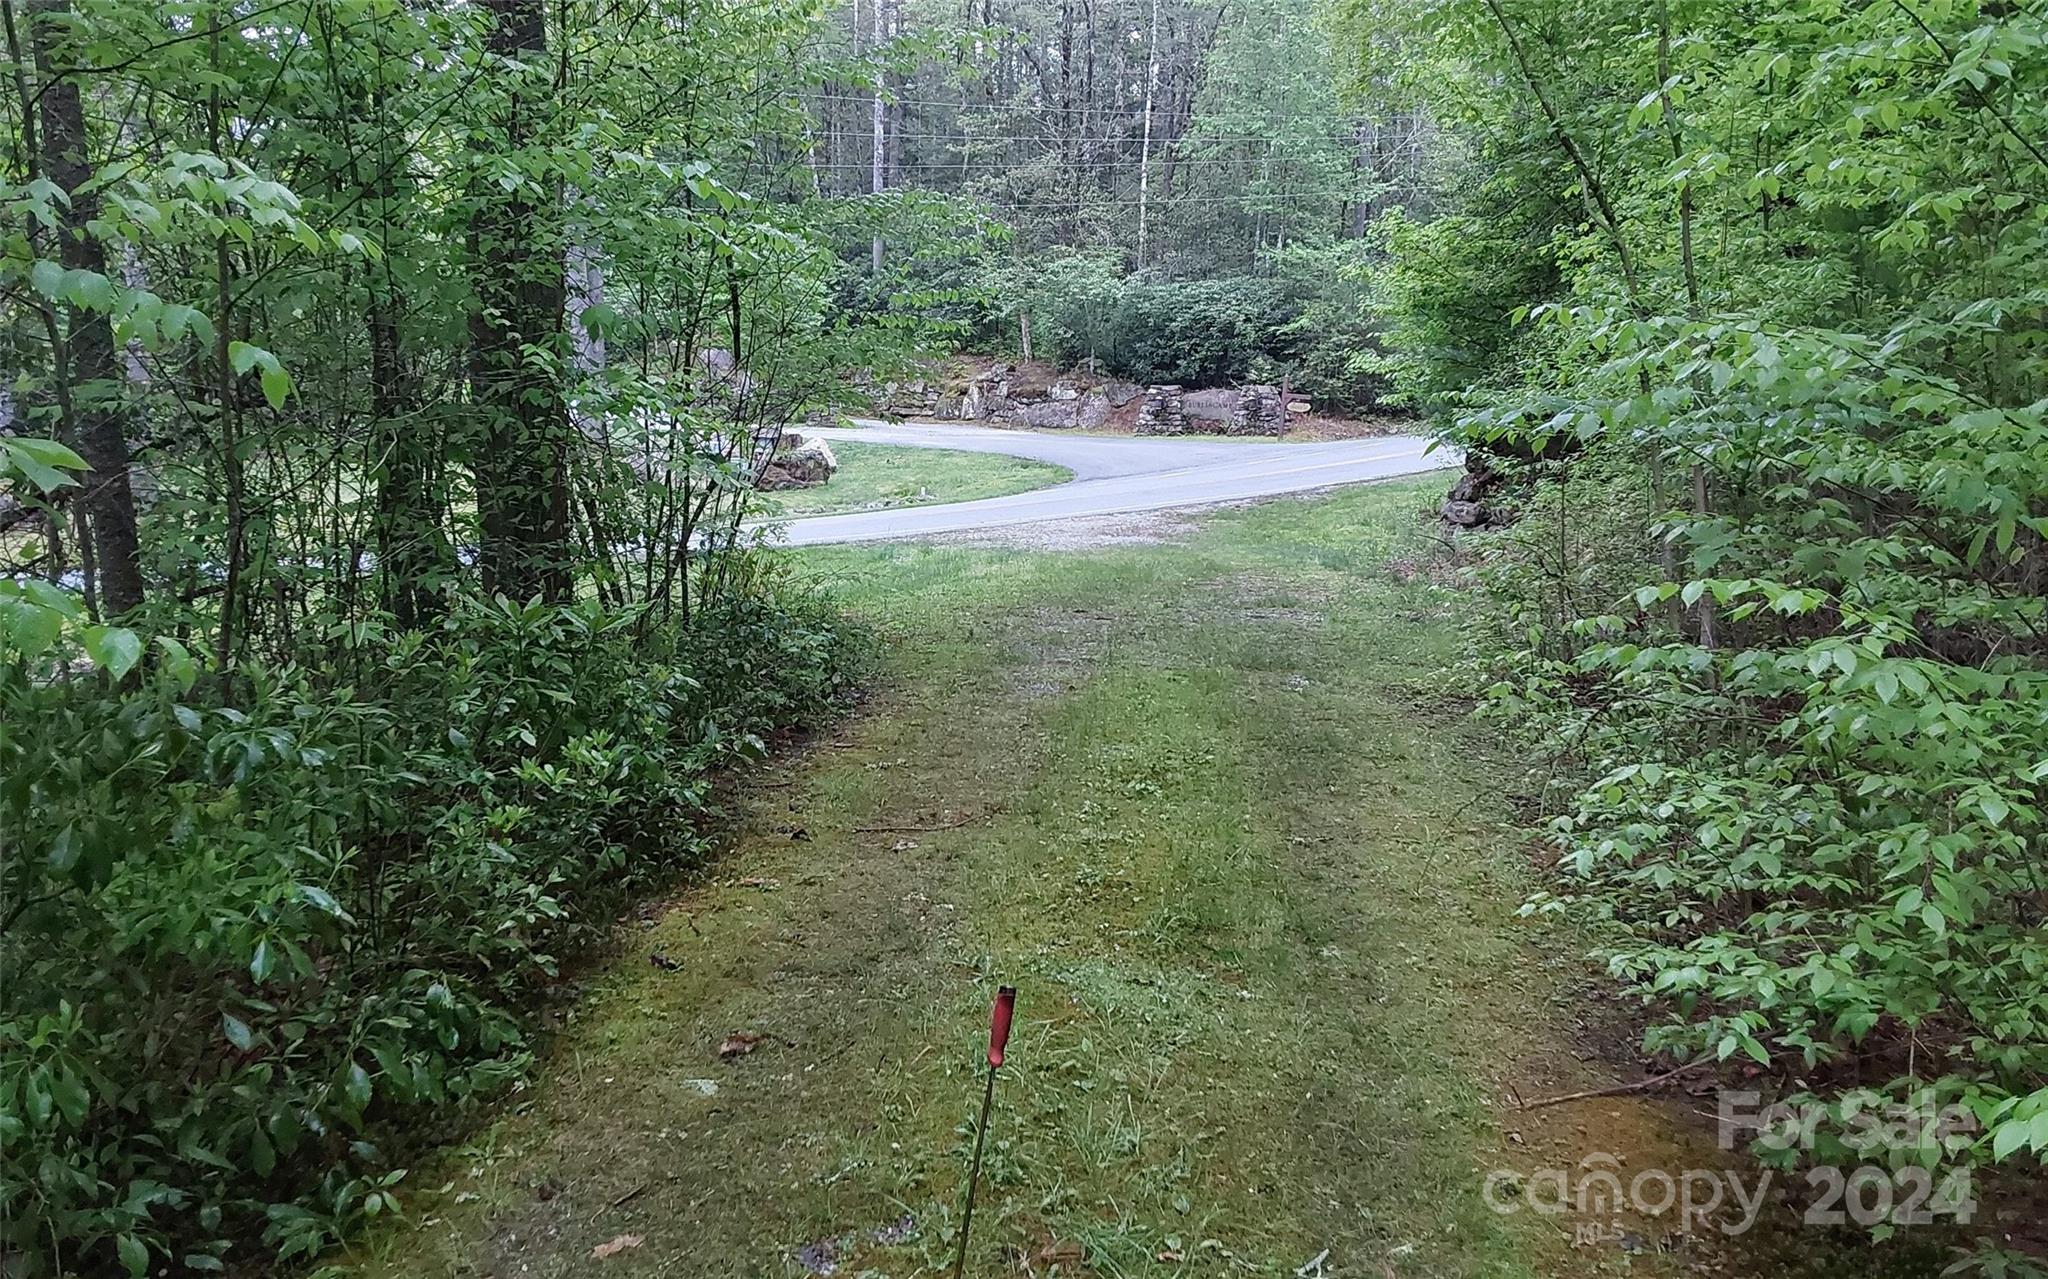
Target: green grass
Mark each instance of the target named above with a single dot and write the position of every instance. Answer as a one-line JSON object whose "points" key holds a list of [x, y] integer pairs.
{"points": [[875, 477], [1256, 888]]}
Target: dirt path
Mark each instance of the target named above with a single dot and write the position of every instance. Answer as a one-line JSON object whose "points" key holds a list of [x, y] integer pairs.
{"points": [[1258, 897]]}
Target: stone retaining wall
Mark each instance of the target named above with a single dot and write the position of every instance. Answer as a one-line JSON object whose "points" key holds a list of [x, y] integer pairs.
{"points": [[1009, 395]]}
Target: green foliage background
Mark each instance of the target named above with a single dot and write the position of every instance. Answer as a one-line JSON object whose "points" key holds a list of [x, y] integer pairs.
{"points": [[1773, 277]]}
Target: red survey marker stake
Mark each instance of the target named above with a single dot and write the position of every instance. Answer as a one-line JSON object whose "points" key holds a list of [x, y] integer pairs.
{"points": [[998, 1037]]}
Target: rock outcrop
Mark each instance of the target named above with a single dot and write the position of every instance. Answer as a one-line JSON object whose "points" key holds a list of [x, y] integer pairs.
{"points": [[1465, 507], [798, 463]]}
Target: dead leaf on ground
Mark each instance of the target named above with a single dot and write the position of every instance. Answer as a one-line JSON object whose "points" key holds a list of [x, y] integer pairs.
{"points": [[739, 1044], [761, 882], [616, 1246]]}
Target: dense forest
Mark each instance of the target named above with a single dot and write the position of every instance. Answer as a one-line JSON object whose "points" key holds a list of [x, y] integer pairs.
{"points": [[384, 384]]}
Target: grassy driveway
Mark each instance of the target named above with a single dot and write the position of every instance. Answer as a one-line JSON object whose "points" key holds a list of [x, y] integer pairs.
{"points": [[1197, 799]]}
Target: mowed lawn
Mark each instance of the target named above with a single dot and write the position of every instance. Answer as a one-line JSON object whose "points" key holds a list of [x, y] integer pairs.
{"points": [[874, 477], [1204, 803]]}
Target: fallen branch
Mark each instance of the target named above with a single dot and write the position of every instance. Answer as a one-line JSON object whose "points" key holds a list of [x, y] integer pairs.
{"points": [[1618, 1090]]}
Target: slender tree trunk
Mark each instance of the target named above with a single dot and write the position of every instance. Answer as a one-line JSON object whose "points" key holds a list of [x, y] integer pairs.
{"points": [[585, 268], [91, 391], [522, 460], [1069, 169], [1145, 146], [233, 480], [1596, 190], [407, 529], [1701, 506], [1366, 133], [897, 85], [881, 154]]}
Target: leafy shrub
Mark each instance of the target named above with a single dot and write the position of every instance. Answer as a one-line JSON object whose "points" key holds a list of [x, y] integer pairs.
{"points": [[1447, 292], [1200, 333], [1812, 842], [1798, 721], [1307, 325], [247, 932]]}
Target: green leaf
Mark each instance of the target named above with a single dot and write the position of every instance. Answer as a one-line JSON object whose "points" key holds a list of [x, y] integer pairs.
{"points": [[69, 1093], [244, 356], [178, 665], [114, 649], [357, 1089], [29, 626], [36, 1098], [2008, 1137], [44, 462], [263, 962], [277, 385], [133, 1254], [65, 851], [237, 1031], [177, 321]]}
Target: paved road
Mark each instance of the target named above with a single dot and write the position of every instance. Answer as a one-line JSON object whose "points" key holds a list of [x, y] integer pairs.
{"points": [[1114, 475]]}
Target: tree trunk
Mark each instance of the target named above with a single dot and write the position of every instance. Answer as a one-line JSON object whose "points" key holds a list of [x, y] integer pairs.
{"points": [[521, 462], [406, 531], [1366, 134], [234, 482], [1145, 147], [91, 391], [881, 157], [897, 86]]}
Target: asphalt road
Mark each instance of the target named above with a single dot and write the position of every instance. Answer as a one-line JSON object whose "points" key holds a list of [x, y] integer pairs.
{"points": [[1114, 475]]}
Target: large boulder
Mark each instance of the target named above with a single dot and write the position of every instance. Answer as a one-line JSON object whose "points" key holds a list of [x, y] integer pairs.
{"points": [[1092, 411], [1120, 393], [1465, 506], [1210, 408], [799, 464]]}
